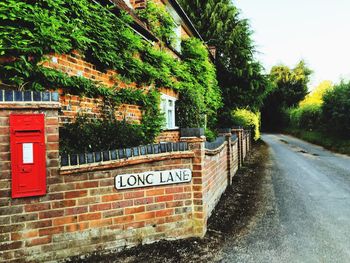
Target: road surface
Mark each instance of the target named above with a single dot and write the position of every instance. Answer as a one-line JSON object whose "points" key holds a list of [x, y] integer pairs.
{"points": [[306, 216]]}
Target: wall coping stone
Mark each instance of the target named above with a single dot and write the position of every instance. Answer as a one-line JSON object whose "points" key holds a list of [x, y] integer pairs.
{"points": [[217, 150], [69, 170], [224, 130], [192, 132], [28, 96], [234, 137], [121, 154], [215, 144], [13, 99]]}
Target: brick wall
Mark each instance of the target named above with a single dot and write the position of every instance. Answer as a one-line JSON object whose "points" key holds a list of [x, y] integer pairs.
{"points": [[73, 105], [234, 162], [245, 145], [197, 146], [83, 211], [239, 132], [74, 65], [20, 224], [169, 136], [215, 177], [245, 140]]}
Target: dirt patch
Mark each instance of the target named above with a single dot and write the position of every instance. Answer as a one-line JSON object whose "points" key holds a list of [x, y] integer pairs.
{"points": [[230, 220]]}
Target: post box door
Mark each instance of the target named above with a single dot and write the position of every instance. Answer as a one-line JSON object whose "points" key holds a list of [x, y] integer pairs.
{"points": [[28, 161]]}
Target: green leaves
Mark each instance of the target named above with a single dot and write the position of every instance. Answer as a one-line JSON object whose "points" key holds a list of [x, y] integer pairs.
{"points": [[88, 134], [30, 30], [291, 84], [336, 109], [239, 74], [306, 117], [159, 21], [289, 88], [247, 119], [198, 87]]}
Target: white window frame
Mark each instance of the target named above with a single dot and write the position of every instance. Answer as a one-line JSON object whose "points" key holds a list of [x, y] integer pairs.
{"points": [[165, 107], [178, 28], [177, 40]]}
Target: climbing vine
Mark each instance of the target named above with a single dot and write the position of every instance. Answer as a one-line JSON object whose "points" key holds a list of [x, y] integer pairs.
{"points": [[30, 30], [159, 21]]}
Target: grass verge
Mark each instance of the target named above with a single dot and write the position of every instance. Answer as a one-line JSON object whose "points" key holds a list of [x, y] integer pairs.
{"points": [[326, 140]]}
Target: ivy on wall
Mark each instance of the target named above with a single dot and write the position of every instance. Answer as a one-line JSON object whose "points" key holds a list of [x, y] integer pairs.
{"points": [[30, 30], [159, 21]]}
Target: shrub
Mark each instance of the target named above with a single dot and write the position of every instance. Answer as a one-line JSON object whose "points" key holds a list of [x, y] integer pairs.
{"points": [[247, 119], [210, 135], [90, 135], [306, 117], [336, 109]]}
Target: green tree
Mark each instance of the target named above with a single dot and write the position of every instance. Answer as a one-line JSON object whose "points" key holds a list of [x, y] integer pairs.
{"points": [[290, 87], [239, 74], [336, 109], [315, 97]]}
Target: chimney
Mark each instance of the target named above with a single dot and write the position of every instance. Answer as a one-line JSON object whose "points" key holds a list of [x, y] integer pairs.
{"points": [[139, 4], [212, 50]]}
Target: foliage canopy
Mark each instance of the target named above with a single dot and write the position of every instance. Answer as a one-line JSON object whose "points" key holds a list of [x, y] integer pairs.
{"points": [[290, 87], [239, 73], [247, 119], [315, 97], [31, 30], [336, 109]]}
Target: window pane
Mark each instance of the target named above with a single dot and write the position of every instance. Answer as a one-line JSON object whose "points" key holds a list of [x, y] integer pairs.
{"points": [[163, 105], [170, 119]]}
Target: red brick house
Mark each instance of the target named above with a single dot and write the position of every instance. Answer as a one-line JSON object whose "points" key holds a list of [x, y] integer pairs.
{"points": [[81, 208], [74, 65]]}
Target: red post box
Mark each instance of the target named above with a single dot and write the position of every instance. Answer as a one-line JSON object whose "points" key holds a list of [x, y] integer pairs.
{"points": [[28, 155]]}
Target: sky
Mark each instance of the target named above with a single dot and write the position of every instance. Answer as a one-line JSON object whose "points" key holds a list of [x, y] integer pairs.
{"points": [[317, 31]]}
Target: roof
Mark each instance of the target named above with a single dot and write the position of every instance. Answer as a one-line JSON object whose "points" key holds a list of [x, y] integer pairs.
{"points": [[138, 25], [142, 27], [185, 18]]}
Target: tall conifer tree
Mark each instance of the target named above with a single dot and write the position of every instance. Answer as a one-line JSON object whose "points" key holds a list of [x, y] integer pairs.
{"points": [[239, 73]]}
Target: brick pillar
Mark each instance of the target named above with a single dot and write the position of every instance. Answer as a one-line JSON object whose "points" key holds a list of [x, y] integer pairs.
{"points": [[196, 143], [239, 133], [227, 134], [28, 102], [250, 139], [247, 140]]}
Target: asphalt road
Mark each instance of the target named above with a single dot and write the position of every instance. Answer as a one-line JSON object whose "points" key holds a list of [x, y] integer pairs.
{"points": [[306, 211]]}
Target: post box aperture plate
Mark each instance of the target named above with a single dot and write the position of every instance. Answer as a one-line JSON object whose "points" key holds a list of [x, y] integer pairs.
{"points": [[28, 155]]}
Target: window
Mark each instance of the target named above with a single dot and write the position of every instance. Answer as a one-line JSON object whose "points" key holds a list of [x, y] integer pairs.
{"points": [[177, 29], [168, 109], [177, 41]]}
